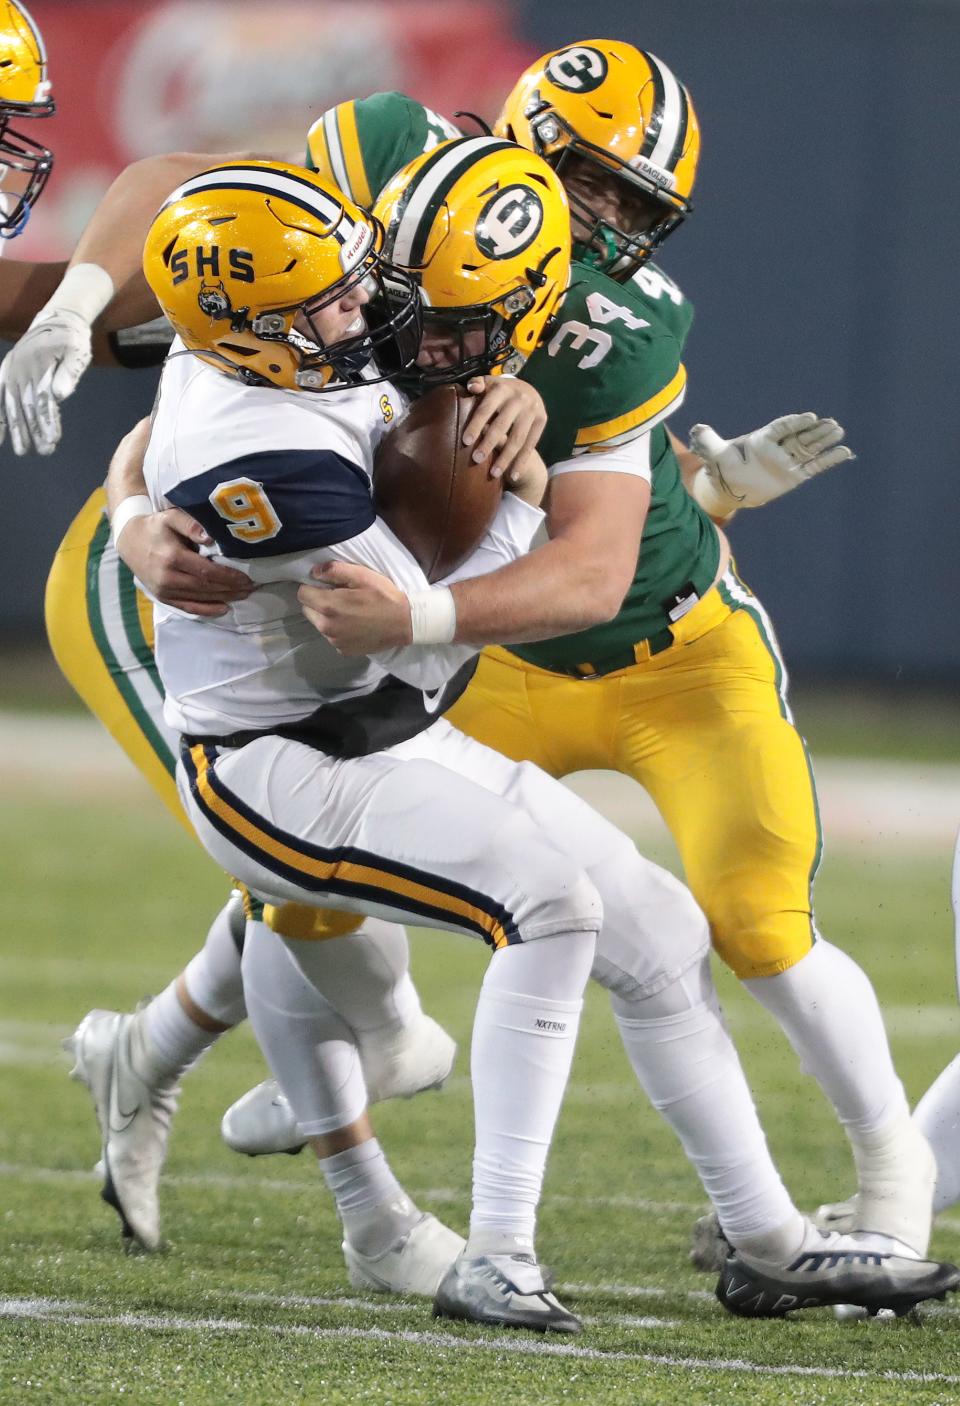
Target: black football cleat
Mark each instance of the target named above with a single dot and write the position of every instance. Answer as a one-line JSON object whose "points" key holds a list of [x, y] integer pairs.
{"points": [[819, 1279]]}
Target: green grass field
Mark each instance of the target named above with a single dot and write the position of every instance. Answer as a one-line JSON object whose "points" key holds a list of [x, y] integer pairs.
{"points": [[104, 901]]}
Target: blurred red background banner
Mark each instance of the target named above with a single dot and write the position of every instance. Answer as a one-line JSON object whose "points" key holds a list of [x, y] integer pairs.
{"points": [[131, 80]]}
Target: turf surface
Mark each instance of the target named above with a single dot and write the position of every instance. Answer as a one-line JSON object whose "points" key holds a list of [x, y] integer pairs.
{"points": [[104, 899]]}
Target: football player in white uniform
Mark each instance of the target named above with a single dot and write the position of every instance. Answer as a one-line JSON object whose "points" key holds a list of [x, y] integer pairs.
{"points": [[320, 781]]}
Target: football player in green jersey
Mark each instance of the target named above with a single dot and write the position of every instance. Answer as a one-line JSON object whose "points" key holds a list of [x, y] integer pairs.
{"points": [[668, 669]]}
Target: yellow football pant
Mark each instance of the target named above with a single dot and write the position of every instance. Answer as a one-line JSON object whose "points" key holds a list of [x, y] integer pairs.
{"points": [[100, 629], [704, 727]]}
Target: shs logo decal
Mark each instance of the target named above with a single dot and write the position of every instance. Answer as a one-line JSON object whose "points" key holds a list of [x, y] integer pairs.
{"points": [[509, 222], [578, 69], [206, 263]]}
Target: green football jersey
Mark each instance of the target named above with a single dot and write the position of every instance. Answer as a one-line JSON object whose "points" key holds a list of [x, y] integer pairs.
{"points": [[609, 371]]}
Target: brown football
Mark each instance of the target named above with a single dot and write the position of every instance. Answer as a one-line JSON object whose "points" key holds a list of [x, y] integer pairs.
{"points": [[426, 488]]}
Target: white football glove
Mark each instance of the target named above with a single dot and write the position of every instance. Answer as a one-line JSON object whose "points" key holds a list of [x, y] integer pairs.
{"points": [[758, 467], [43, 368]]}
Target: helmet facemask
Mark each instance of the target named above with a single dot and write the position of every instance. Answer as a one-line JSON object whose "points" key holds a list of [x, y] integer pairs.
{"points": [[30, 162], [479, 336], [24, 93], [651, 210]]}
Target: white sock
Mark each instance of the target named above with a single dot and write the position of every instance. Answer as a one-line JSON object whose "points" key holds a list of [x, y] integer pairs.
{"points": [[311, 1052], [372, 1205], [363, 975], [689, 1068], [830, 1014], [213, 977], [524, 1035], [166, 1041], [937, 1115]]}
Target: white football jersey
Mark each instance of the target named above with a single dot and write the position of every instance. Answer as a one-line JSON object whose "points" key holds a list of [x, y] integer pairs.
{"points": [[281, 480]]}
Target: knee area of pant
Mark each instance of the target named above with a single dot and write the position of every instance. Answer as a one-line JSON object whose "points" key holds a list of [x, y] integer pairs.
{"points": [[691, 990], [575, 907], [764, 948]]}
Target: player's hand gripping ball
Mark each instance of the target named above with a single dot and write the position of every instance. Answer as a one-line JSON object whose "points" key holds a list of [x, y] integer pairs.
{"points": [[426, 488]]}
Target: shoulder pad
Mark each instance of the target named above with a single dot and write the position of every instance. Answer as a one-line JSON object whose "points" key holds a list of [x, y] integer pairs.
{"points": [[610, 369], [657, 290], [362, 143]]}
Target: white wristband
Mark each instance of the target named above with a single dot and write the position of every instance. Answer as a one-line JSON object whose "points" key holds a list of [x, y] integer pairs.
{"points": [[85, 289], [433, 615], [138, 505]]}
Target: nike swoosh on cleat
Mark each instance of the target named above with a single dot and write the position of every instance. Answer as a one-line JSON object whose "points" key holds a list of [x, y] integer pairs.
{"points": [[115, 1111]]}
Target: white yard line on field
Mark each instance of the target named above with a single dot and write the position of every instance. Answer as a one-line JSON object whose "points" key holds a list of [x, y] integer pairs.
{"points": [[907, 804], [393, 1305], [635, 1291], [86, 1315]]}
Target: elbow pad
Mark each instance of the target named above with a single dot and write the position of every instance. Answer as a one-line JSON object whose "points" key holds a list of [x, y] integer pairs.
{"points": [[137, 348]]}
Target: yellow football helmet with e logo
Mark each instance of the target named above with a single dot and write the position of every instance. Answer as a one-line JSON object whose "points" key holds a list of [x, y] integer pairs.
{"points": [[484, 227], [242, 258], [24, 92], [603, 109]]}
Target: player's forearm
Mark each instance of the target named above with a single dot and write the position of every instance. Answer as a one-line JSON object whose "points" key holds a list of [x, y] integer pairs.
{"points": [[125, 475], [688, 462], [555, 590], [24, 288], [114, 237], [113, 240]]}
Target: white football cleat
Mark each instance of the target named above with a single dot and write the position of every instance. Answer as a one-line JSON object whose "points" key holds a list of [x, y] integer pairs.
{"points": [[134, 1120], [895, 1195], [414, 1264], [397, 1063], [261, 1123], [504, 1291], [401, 1061]]}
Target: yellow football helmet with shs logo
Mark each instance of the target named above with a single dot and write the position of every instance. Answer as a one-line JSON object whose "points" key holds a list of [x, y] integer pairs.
{"points": [[606, 108], [24, 92], [241, 259], [484, 227]]}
